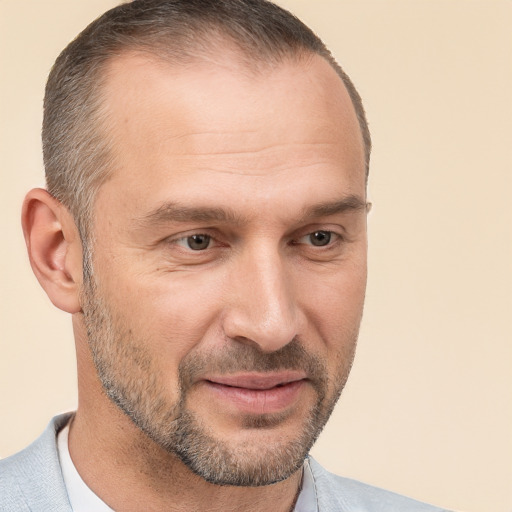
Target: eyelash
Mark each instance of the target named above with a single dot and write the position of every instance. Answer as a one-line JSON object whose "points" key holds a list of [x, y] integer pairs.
{"points": [[184, 240], [333, 239]]}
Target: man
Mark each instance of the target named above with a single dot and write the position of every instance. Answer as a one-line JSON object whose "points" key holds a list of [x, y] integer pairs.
{"points": [[205, 225]]}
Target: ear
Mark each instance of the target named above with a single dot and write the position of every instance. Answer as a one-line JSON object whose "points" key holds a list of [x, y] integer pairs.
{"points": [[54, 248]]}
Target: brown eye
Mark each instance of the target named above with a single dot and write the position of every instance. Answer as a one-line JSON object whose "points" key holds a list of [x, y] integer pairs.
{"points": [[198, 242], [320, 238]]}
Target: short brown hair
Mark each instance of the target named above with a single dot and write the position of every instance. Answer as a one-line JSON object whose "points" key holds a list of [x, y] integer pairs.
{"points": [[76, 152]]}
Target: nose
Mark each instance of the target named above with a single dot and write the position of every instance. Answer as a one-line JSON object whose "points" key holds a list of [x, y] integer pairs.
{"points": [[262, 308]]}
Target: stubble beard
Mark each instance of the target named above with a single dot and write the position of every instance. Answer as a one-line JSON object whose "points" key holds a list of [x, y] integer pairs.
{"points": [[130, 379]]}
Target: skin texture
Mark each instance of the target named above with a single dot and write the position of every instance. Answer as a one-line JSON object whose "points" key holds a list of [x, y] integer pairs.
{"points": [[256, 162]]}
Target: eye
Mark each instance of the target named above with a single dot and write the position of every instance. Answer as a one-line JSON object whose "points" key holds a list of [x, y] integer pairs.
{"points": [[320, 238], [198, 242], [317, 238]]}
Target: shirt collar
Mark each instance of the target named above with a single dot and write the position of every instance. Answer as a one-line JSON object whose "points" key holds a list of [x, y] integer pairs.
{"points": [[307, 500]]}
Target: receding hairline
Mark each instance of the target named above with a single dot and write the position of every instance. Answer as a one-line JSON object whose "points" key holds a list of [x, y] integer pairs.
{"points": [[222, 53], [232, 58]]}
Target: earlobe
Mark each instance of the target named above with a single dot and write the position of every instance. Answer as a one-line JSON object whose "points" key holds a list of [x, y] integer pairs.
{"points": [[54, 248]]}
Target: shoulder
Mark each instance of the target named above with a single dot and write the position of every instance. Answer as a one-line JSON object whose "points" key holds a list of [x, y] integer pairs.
{"points": [[32, 479], [337, 494]]}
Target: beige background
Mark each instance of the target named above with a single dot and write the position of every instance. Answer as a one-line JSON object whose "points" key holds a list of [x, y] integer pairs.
{"points": [[428, 409]]}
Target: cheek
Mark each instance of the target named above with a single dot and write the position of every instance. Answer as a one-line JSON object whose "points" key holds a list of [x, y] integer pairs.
{"points": [[174, 310], [334, 306], [334, 302]]}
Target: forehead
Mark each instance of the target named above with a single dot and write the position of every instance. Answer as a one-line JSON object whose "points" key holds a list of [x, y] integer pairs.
{"points": [[195, 122]]}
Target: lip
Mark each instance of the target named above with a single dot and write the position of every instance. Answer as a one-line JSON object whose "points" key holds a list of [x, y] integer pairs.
{"points": [[257, 381], [257, 393]]}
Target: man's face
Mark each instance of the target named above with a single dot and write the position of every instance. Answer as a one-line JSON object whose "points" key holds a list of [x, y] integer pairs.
{"points": [[229, 260]]}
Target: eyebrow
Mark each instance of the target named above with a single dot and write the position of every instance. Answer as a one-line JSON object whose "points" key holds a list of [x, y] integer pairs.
{"points": [[348, 203], [176, 212]]}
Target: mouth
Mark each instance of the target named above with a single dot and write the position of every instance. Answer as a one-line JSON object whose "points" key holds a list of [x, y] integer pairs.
{"points": [[258, 393]]}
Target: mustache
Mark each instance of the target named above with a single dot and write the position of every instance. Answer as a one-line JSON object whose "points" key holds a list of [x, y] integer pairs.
{"points": [[244, 357]]}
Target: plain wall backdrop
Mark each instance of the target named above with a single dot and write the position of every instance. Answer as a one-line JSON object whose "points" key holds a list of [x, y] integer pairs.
{"points": [[428, 409]]}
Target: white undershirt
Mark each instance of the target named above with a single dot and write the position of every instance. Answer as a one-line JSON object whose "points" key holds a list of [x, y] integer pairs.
{"points": [[82, 499]]}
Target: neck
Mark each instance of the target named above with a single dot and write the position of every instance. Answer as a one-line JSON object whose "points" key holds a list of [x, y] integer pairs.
{"points": [[128, 471]]}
